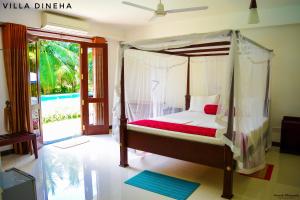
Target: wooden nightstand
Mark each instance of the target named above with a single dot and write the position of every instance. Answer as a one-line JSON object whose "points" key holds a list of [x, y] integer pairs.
{"points": [[290, 135]]}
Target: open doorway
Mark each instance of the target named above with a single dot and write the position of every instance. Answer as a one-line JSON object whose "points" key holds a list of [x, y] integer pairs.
{"points": [[59, 68], [69, 88]]}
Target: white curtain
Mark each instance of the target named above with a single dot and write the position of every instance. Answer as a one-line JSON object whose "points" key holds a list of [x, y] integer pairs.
{"points": [[251, 96], [155, 85], [212, 76], [116, 109], [209, 74], [149, 84]]}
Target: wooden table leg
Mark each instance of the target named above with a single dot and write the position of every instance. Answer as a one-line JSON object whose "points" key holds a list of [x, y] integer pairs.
{"points": [[35, 149]]}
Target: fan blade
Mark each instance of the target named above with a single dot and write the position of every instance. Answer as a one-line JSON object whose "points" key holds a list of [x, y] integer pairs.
{"points": [[187, 9], [153, 18], [137, 6]]}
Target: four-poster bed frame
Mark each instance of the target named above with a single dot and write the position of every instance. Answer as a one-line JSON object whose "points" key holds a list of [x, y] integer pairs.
{"points": [[209, 154]]}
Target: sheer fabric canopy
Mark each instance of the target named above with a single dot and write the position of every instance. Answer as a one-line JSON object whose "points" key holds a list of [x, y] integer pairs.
{"points": [[252, 68], [155, 85], [179, 41], [212, 76], [150, 88], [149, 85]]}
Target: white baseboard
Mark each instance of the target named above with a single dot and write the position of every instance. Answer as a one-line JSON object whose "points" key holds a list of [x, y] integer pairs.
{"points": [[6, 148], [276, 132]]}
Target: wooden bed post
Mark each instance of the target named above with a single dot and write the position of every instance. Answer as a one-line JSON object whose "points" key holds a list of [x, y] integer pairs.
{"points": [[228, 155], [188, 96], [266, 105], [123, 122]]}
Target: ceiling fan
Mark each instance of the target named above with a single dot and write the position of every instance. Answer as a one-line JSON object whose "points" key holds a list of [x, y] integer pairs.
{"points": [[160, 9]]}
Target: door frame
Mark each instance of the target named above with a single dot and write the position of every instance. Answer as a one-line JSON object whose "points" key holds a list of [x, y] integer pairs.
{"points": [[88, 129], [34, 39]]}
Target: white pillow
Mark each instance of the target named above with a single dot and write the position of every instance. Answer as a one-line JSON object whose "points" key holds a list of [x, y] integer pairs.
{"points": [[198, 102]]}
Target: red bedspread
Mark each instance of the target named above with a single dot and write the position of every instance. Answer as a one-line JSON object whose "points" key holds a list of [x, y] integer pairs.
{"points": [[183, 128]]}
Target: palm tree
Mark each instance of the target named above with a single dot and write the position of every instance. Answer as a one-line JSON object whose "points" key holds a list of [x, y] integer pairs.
{"points": [[59, 71]]}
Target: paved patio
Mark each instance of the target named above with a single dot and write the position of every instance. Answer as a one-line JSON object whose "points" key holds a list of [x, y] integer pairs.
{"points": [[61, 129]]}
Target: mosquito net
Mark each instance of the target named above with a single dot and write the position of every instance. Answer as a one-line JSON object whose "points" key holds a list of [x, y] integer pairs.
{"points": [[251, 136], [149, 84], [155, 85]]}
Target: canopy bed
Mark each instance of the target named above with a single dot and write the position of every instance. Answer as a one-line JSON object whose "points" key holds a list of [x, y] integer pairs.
{"points": [[202, 98]]}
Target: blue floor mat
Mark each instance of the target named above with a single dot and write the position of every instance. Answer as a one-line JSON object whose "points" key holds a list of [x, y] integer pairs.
{"points": [[165, 185]]}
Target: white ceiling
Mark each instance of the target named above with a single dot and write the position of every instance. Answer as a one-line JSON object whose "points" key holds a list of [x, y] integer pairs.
{"points": [[114, 12]]}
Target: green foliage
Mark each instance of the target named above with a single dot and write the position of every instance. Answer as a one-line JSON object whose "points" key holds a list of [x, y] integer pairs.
{"points": [[59, 117], [59, 67]]}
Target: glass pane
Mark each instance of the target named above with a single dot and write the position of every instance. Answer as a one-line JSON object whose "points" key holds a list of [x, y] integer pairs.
{"points": [[35, 108], [33, 73], [95, 72], [96, 113], [35, 118], [32, 56], [59, 69]]}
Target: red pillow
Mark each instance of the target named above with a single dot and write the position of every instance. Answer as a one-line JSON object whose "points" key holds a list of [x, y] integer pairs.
{"points": [[210, 109]]}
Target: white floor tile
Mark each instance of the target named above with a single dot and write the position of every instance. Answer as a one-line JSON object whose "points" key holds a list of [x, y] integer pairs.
{"points": [[91, 171]]}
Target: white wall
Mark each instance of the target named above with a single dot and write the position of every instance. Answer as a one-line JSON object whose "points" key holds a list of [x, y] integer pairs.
{"points": [[106, 30], [32, 18], [221, 21]]}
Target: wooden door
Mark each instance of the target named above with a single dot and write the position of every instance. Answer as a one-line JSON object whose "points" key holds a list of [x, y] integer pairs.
{"points": [[94, 89], [35, 97]]}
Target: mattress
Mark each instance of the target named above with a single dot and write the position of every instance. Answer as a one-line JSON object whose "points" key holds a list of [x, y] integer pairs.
{"points": [[188, 118]]}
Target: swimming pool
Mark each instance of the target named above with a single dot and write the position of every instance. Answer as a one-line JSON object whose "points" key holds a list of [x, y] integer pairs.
{"points": [[59, 96], [56, 112], [60, 104]]}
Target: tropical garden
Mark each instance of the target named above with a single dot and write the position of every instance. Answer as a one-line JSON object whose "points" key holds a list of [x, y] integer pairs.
{"points": [[59, 67], [59, 71], [59, 79]]}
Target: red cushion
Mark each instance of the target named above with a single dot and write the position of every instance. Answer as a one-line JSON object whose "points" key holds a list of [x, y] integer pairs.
{"points": [[211, 109], [183, 128]]}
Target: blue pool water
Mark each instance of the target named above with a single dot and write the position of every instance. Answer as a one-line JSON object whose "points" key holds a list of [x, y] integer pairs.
{"points": [[59, 96]]}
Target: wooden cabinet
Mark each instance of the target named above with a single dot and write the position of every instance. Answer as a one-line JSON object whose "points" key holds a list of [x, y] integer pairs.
{"points": [[290, 135]]}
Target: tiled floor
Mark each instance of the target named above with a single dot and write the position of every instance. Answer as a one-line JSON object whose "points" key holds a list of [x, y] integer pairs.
{"points": [[91, 171]]}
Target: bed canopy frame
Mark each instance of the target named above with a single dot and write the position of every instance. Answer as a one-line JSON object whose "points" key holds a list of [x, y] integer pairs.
{"points": [[211, 155]]}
